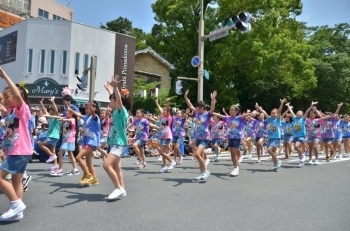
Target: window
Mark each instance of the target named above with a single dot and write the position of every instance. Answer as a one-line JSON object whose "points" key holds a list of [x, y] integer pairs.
{"points": [[30, 61], [64, 62], [52, 61], [42, 61], [56, 17], [43, 14], [77, 59], [86, 62]]}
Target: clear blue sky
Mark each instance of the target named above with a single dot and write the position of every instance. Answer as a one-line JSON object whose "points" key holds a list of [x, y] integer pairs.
{"points": [[93, 12]]}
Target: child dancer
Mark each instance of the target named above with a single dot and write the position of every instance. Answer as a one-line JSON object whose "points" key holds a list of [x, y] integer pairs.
{"points": [[313, 134], [178, 130], [261, 134], [234, 133], [117, 140], [202, 134], [299, 131], [165, 136], [250, 128], [217, 134], [105, 116], [53, 133], [90, 142], [273, 133], [141, 136], [287, 126], [67, 144], [17, 147]]}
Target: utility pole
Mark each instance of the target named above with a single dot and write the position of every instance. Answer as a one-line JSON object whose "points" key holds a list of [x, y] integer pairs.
{"points": [[201, 52], [92, 78]]}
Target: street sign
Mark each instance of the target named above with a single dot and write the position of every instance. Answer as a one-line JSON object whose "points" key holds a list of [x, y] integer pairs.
{"points": [[196, 61], [206, 74], [219, 33]]}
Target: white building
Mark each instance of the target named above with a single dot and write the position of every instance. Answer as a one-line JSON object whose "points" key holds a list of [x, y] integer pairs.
{"points": [[53, 52]]}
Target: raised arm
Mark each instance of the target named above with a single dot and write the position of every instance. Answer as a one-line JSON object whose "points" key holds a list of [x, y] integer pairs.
{"points": [[283, 101], [52, 99], [14, 90], [159, 107], [77, 114], [309, 109], [290, 109], [189, 104], [118, 98], [213, 102], [218, 115], [261, 110], [167, 106], [285, 113], [109, 88], [224, 111], [338, 109], [43, 106]]}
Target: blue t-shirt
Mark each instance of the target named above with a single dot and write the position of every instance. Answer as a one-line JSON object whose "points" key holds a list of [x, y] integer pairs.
{"points": [[92, 131], [274, 127], [299, 127], [345, 128], [287, 128]]}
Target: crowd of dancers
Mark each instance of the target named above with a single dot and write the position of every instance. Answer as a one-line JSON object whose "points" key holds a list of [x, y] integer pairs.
{"points": [[110, 132]]}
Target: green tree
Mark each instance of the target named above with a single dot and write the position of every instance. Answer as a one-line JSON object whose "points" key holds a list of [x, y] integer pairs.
{"points": [[331, 52], [270, 62], [124, 26]]}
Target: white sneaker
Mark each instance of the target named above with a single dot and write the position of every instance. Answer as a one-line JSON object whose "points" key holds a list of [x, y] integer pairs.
{"points": [[302, 158], [51, 158], [124, 192], [240, 159], [15, 208], [249, 156], [206, 162], [171, 165], [316, 162], [180, 160], [163, 170], [160, 158], [115, 194], [340, 156], [235, 172], [311, 162], [334, 158]]}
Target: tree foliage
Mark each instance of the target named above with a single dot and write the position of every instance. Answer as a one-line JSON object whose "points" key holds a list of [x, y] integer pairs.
{"points": [[124, 26], [280, 57]]}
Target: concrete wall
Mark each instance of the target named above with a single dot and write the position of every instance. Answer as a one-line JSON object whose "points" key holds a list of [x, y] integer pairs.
{"points": [[148, 63], [52, 7]]}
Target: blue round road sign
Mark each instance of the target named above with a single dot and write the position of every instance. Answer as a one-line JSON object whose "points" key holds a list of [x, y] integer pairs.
{"points": [[196, 61]]}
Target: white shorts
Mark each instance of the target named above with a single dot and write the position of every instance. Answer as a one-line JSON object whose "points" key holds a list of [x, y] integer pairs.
{"points": [[117, 150], [103, 140]]}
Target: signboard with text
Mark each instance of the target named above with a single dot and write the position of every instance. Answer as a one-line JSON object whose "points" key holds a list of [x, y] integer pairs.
{"points": [[7, 20], [8, 47], [45, 88]]}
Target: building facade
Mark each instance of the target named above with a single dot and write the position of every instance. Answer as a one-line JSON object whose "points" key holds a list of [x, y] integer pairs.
{"points": [[15, 11], [153, 67], [47, 55]]}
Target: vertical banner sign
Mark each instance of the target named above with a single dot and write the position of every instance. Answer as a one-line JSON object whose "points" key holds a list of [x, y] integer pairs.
{"points": [[8, 47], [124, 65]]}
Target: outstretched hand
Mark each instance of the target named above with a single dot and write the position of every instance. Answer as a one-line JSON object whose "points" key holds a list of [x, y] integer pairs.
{"points": [[115, 81]]}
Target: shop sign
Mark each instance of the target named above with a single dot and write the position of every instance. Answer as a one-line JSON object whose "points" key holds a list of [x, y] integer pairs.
{"points": [[44, 87]]}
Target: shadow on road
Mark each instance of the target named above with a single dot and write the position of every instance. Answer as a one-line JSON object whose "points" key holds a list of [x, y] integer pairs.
{"points": [[81, 197]]}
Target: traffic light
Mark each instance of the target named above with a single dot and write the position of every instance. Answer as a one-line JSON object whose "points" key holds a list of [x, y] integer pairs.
{"points": [[83, 82], [178, 87], [240, 22]]}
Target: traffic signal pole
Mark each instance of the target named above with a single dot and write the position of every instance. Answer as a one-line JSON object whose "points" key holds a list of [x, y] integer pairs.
{"points": [[92, 78], [201, 53]]}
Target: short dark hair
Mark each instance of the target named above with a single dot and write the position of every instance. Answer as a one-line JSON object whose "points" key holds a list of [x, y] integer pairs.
{"points": [[200, 104], [68, 98]]}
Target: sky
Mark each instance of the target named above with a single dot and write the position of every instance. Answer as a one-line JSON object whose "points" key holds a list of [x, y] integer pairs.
{"points": [[93, 12]]}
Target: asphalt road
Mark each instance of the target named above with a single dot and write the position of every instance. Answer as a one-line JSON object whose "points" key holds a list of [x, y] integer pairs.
{"points": [[311, 198]]}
